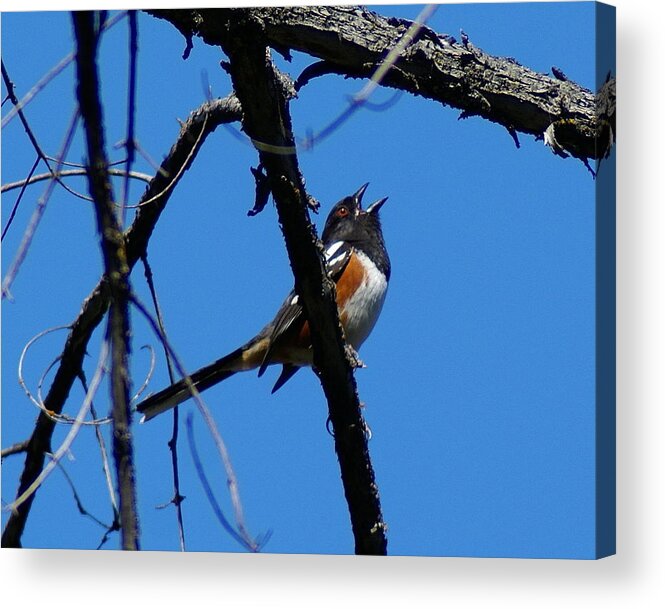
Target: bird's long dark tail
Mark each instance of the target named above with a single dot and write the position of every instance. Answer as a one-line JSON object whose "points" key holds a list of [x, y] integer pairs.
{"points": [[179, 392], [245, 358]]}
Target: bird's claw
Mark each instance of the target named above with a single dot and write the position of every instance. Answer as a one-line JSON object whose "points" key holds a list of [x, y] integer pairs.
{"points": [[353, 357]]}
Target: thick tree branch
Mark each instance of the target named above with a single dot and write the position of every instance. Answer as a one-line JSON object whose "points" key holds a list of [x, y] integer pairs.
{"points": [[353, 41], [266, 120], [201, 123], [116, 271]]}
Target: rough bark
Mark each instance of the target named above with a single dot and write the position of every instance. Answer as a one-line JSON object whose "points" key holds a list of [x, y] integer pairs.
{"points": [[353, 41], [116, 269]]}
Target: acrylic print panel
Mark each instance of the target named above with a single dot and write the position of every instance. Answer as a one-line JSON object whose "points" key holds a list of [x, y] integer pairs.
{"points": [[489, 378]]}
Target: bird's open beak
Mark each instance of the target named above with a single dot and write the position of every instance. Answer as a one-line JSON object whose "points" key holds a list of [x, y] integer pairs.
{"points": [[358, 195], [376, 206]]}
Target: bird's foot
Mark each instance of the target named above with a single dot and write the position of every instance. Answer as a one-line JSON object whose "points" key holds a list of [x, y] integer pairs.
{"points": [[353, 357]]}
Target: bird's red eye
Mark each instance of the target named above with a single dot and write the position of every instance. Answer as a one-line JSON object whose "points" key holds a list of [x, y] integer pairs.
{"points": [[342, 212]]}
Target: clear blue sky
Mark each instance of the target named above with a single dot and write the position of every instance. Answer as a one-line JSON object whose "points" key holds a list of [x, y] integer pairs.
{"points": [[479, 386]]}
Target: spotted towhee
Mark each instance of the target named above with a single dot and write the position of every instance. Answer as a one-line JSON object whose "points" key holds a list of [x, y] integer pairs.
{"points": [[357, 261]]}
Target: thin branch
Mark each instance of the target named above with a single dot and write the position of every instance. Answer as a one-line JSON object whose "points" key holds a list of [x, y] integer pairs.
{"points": [[31, 136], [131, 103], [28, 493], [116, 271], [183, 152], [19, 198], [47, 78], [178, 175], [266, 119], [37, 215], [106, 468], [382, 106], [79, 504], [93, 310], [66, 173], [56, 417], [144, 153], [231, 479], [52, 73], [40, 400], [395, 52], [173, 442], [15, 449], [148, 376], [228, 527], [316, 70]]}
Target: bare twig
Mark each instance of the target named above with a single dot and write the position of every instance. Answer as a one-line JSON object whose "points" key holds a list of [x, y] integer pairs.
{"points": [[145, 154], [358, 100], [93, 310], [231, 479], [106, 468], [178, 175], [316, 70], [56, 417], [131, 104], [37, 214], [15, 449], [28, 130], [79, 504], [47, 78], [114, 526], [18, 199], [173, 442], [136, 175], [33, 140], [52, 73], [40, 400], [71, 435], [219, 513], [382, 106], [148, 376], [116, 270]]}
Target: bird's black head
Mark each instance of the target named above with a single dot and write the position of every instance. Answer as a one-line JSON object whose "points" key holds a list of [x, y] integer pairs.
{"points": [[348, 221]]}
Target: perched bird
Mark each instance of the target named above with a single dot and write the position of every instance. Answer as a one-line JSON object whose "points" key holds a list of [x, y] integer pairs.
{"points": [[358, 262]]}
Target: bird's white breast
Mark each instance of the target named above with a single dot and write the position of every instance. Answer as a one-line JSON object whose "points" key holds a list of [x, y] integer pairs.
{"points": [[363, 308]]}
